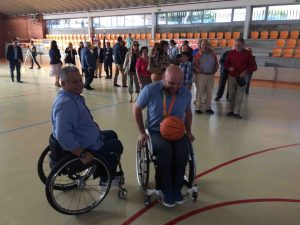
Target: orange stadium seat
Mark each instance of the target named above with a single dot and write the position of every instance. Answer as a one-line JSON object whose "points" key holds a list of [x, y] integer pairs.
{"points": [[113, 36], [138, 36], [204, 35], [236, 35], [176, 35], [280, 43], [196, 35], [294, 34], [163, 36], [126, 35], [284, 34], [264, 34], [122, 36], [214, 43], [288, 52], [222, 43], [157, 36], [170, 35], [212, 35], [149, 36], [230, 42], [220, 35], [190, 35], [228, 35], [182, 35], [151, 43], [143, 36], [277, 52], [273, 34], [254, 35], [107, 36], [297, 53], [291, 43]]}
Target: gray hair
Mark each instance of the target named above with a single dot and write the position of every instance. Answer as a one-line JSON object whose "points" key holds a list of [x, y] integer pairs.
{"points": [[66, 70]]}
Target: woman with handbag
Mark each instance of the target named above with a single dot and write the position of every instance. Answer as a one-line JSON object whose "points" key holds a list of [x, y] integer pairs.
{"points": [[55, 63]]}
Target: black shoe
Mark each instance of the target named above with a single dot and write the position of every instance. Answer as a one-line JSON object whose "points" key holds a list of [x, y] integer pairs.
{"points": [[31, 68], [19, 81], [110, 77], [230, 114], [209, 111], [238, 116], [198, 111], [217, 99], [106, 77], [89, 88], [117, 85], [125, 86], [39, 68]]}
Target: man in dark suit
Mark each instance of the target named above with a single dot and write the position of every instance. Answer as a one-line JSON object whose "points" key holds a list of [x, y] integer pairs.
{"points": [[89, 65], [15, 57], [99, 55]]}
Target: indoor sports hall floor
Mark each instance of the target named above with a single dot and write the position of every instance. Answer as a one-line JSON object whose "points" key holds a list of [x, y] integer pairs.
{"points": [[247, 170]]}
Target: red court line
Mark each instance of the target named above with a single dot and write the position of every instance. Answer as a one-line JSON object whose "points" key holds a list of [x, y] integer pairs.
{"points": [[145, 209], [223, 204]]}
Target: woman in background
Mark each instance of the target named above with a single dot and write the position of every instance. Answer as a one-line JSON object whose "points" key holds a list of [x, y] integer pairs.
{"points": [[55, 62]]}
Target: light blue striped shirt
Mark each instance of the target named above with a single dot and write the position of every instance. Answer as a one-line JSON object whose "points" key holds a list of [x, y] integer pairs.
{"points": [[72, 123]]}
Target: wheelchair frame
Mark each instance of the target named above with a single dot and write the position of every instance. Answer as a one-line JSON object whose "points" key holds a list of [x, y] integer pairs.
{"points": [[70, 183], [145, 155]]}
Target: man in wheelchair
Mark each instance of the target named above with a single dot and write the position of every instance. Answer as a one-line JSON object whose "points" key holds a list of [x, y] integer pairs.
{"points": [[167, 98], [73, 127]]}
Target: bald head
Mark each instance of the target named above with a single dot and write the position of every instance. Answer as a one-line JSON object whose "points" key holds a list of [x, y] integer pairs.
{"points": [[173, 79]]}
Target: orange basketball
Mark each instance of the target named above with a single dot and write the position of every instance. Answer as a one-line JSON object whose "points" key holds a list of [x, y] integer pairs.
{"points": [[172, 128]]}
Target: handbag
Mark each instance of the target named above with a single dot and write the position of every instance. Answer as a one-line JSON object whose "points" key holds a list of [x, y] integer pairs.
{"points": [[240, 81]]}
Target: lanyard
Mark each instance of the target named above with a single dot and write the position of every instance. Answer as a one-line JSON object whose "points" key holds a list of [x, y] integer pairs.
{"points": [[166, 113]]}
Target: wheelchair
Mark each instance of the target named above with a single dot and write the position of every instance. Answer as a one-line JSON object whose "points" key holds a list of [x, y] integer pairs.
{"points": [[73, 188], [145, 155]]}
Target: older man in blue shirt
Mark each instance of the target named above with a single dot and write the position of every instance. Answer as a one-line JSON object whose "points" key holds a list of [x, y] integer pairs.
{"points": [[171, 156], [73, 125]]}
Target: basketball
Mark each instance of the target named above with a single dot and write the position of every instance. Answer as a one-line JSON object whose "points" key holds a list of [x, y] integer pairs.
{"points": [[172, 128]]}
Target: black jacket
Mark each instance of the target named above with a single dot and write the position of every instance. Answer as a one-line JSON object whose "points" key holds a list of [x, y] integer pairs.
{"points": [[10, 54], [68, 57], [99, 56]]}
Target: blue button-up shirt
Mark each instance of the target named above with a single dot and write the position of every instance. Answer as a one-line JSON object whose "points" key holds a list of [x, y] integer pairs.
{"points": [[72, 123], [152, 97]]}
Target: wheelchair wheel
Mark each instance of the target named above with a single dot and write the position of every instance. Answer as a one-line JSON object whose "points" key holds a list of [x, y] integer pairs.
{"points": [[191, 168], [87, 190], [142, 165], [44, 165]]}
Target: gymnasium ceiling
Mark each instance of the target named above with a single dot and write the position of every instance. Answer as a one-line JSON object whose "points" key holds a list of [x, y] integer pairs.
{"points": [[26, 7]]}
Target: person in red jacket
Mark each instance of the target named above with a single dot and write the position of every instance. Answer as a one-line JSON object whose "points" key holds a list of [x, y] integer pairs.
{"points": [[239, 63]]}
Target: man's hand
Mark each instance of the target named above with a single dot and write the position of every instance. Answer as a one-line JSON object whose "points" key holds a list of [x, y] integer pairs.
{"points": [[191, 137], [87, 158], [231, 69], [143, 139]]}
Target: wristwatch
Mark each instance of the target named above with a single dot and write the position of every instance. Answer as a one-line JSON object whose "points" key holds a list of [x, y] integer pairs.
{"points": [[82, 154]]}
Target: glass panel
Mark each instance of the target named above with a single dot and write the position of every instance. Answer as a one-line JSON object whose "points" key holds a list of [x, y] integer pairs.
{"points": [[105, 21], [120, 22], [148, 19], [239, 14], [85, 22], [217, 16], [128, 21], [259, 13], [197, 16], [161, 18], [138, 20], [76, 23], [284, 12], [179, 18], [114, 21], [56, 24]]}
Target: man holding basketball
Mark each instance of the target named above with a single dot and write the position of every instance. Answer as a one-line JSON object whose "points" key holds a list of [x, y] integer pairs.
{"points": [[163, 99]]}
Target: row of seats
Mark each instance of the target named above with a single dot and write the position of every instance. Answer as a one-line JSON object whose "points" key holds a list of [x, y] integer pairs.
{"points": [[274, 34], [67, 36], [202, 35], [286, 52], [287, 43]]}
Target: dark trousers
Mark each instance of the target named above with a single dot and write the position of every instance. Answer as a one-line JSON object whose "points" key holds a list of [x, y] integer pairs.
{"points": [[33, 59], [222, 84], [172, 158], [89, 76], [12, 65], [111, 149], [108, 69]]}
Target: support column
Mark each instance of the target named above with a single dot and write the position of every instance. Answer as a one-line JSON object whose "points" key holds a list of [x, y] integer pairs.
{"points": [[153, 28], [90, 28], [247, 22]]}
